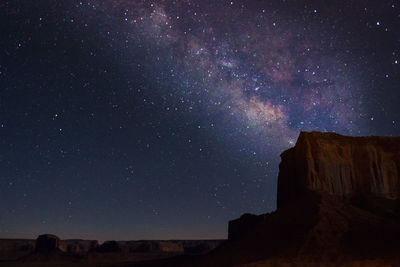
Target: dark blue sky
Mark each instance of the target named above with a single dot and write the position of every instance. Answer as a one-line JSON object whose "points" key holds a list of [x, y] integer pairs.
{"points": [[165, 119]]}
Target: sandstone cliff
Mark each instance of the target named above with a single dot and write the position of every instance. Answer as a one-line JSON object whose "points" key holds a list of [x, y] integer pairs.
{"points": [[340, 165], [338, 200]]}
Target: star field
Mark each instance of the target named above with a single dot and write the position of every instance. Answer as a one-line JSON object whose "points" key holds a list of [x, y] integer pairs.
{"points": [[129, 119]]}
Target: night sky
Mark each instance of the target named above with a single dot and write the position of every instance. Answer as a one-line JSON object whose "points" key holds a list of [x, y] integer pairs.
{"points": [[127, 119]]}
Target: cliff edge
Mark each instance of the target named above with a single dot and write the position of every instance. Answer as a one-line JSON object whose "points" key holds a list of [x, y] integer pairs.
{"points": [[340, 165]]}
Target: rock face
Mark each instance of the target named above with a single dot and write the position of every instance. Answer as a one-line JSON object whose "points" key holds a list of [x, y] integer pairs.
{"points": [[338, 199], [340, 165]]}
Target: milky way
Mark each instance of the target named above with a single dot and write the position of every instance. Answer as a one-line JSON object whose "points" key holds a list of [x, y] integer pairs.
{"points": [[127, 119], [271, 76]]}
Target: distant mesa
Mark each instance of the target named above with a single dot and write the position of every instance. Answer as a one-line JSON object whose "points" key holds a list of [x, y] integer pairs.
{"points": [[52, 251], [109, 246], [47, 243], [78, 246]]}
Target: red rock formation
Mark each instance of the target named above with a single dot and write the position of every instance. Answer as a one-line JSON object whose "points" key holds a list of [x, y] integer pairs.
{"points": [[338, 199], [340, 165]]}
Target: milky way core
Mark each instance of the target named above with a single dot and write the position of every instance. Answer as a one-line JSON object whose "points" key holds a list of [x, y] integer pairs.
{"points": [[267, 73]]}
